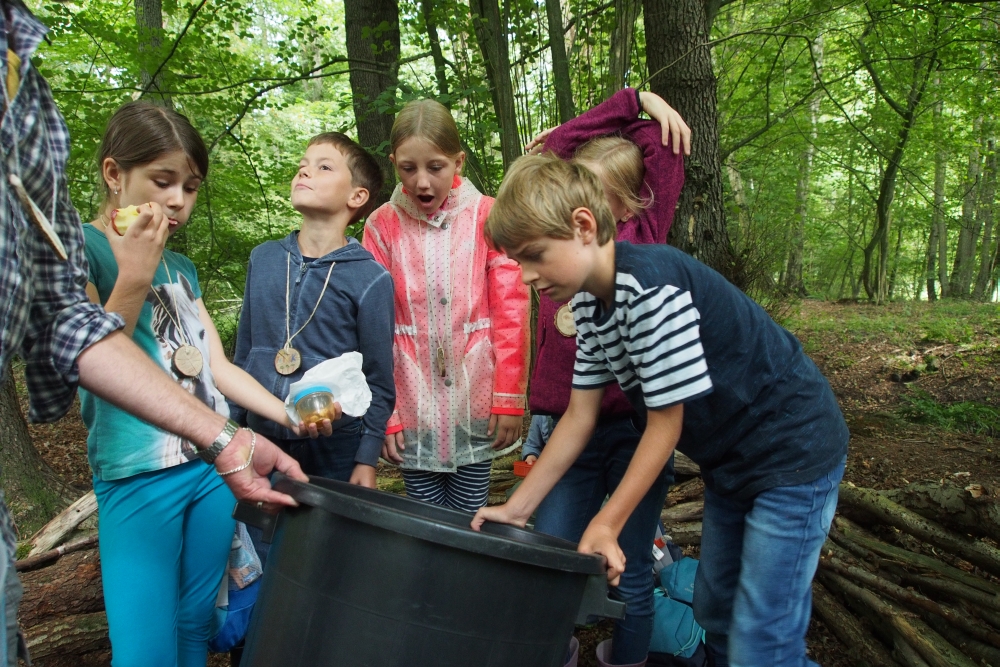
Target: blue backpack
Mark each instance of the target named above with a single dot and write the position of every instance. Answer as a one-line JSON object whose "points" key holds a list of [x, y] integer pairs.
{"points": [[675, 631]]}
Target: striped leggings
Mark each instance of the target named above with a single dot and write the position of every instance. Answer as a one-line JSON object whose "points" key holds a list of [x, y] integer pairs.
{"points": [[466, 489]]}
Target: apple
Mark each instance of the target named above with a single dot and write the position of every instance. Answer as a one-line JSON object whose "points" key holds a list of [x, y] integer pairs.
{"points": [[122, 218]]}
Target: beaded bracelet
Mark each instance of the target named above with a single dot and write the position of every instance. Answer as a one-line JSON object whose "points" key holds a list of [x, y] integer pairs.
{"points": [[253, 443]]}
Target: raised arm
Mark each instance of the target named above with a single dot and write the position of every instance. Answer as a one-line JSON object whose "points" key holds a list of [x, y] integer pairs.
{"points": [[611, 116]]}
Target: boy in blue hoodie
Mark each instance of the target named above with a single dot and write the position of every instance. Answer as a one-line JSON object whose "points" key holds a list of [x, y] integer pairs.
{"points": [[315, 295]]}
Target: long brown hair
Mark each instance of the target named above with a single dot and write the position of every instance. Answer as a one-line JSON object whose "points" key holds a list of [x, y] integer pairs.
{"points": [[140, 132]]}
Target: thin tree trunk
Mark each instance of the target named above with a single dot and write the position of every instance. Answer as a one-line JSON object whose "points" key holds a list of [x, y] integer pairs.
{"points": [[931, 263], [740, 198], [938, 219], [491, 33], [895, 261], [440, 72], [622, 39], [961, 272], [560, 63], [987, 208], [372, 89], [149, 31], [680, 64], [34, 492]]}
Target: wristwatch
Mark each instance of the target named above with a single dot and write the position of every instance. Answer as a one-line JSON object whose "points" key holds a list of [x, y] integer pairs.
{"points": [[228, 431]]}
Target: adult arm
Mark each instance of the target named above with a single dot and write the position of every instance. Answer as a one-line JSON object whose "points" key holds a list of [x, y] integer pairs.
{"points": [[115, 369]]}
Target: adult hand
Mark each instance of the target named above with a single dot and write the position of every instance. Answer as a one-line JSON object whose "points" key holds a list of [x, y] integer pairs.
{"points": [[252, 484], [138, 252], [393, 446], [499, 514], [598, 539], [507, 427], [537, 145], [676, 132], [363, 475]]}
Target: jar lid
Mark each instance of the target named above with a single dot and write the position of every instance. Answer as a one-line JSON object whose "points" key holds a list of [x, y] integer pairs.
{"points": [[311, 390]]}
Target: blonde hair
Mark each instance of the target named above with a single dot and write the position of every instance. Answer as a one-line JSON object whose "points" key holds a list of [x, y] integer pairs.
{"points": [[426, 119], [622, 169], [537, 198]]}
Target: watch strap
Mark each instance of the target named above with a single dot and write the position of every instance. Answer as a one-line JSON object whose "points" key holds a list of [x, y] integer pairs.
{"points": [[209, 454]]}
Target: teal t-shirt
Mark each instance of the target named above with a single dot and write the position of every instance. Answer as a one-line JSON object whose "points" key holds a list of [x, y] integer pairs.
{"points": [[120, 445]]}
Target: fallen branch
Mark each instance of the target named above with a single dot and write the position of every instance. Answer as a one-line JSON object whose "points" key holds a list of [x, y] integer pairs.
{"points": [[55, 531], [855, 533], [972, 550], [685, 512], [978, 651], [683, 465], [952, 589], [874, 582], [969, 508], [931, 646], [684, 534], [69, 635], [861, 646], [35, 562], [685, 491], [70, 587]]}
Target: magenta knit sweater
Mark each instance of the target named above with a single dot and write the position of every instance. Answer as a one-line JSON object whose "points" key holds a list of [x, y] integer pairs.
{"points": [[553, 374]]}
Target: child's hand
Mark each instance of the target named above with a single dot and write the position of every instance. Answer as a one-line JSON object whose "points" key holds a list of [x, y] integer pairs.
{"points": [[676, 133], [530, 459], [498, 514], [537, 145], [598, 539], [315, 430], [138, 252], [393, 446], [507, 427], [363, 475]]}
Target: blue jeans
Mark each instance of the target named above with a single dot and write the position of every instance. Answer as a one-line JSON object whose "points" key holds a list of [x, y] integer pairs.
{"points": [[753, 592], [578, 496], [330, 456], [164, 541]]}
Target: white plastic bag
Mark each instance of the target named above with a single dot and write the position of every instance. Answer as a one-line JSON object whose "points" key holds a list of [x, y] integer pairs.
{"points": [[345, 380]]}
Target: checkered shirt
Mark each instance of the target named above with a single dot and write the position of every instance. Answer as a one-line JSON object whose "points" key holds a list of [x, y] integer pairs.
{"points": [[45, 315]]}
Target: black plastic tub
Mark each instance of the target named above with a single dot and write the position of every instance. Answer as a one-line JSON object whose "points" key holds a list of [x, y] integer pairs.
{"points": [[362, 578]]}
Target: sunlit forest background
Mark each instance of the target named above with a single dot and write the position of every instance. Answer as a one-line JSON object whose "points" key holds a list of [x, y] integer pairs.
{"points": [[844, 149]]}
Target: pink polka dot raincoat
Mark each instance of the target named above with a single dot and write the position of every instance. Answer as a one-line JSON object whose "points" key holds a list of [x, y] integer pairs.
{"points": [[462, 341]]}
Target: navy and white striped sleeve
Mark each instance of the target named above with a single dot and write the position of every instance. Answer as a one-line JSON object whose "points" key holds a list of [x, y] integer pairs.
{"points": [[591, 370], [664, 344]]}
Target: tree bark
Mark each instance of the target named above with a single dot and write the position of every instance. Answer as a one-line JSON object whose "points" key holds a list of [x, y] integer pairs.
{"points": [[961, 272], [680, 65], [491, 33], [560, 63], [987, 208], [373, 35], [692, 511], [950, 504], [71, 586], [622, 40], [440, 65], [861, 647], [34, 492], [149, 31], [938, 219], [68, 636]]}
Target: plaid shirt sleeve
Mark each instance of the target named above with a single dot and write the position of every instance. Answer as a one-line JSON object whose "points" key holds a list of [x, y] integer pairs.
{"points": [[47, 317]]}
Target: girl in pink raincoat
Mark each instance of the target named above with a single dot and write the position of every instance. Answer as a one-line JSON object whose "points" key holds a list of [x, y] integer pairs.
{"points": [[462, 338]]}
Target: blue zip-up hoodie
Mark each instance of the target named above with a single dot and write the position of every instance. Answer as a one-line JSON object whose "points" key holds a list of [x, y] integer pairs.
{"points": [[356, 314]]}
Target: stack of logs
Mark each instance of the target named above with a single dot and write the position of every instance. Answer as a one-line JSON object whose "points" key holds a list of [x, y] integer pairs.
{"points": [[62, 612], [906, 577]]}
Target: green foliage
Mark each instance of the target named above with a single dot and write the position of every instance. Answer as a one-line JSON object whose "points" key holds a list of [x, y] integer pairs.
{"points": [[967, 416]]}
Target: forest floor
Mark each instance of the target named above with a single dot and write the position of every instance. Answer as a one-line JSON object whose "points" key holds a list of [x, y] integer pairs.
{"points": [[917, 383]]}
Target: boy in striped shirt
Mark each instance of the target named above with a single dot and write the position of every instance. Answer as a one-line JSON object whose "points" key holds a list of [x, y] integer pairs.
{"points": [[711, 374]]}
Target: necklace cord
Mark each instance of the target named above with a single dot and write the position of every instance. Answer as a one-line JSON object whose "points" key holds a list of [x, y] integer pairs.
{"points": [[288, 280]]}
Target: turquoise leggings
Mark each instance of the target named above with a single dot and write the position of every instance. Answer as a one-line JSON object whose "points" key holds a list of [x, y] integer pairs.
{"points": [[165, 539]]}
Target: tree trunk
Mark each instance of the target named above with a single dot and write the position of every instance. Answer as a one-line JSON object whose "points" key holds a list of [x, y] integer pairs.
{"points": [[374, 92], [931, 263], [622, 39], [987, 208], [440, 71], [961, 272], [34, 492], [794, 283], [149, 32], [491, 33], [68, 636], [895, 260], [680, 66], [938, 219], [71, 586], [560, 63]]}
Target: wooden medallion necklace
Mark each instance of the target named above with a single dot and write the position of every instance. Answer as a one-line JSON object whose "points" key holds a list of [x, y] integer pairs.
{"points": [[288, 359], [186, 359], [564, 321]]}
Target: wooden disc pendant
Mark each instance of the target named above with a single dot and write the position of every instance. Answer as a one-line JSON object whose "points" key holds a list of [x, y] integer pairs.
{"points": [[564, 321], [287, 361], [187, 361]]}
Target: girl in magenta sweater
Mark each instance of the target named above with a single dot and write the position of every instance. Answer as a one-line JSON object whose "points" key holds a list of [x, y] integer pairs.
{"points": [[641, 167]]}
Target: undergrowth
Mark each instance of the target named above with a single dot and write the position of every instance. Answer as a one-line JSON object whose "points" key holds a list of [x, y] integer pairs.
{"points": [[967, 416]]}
